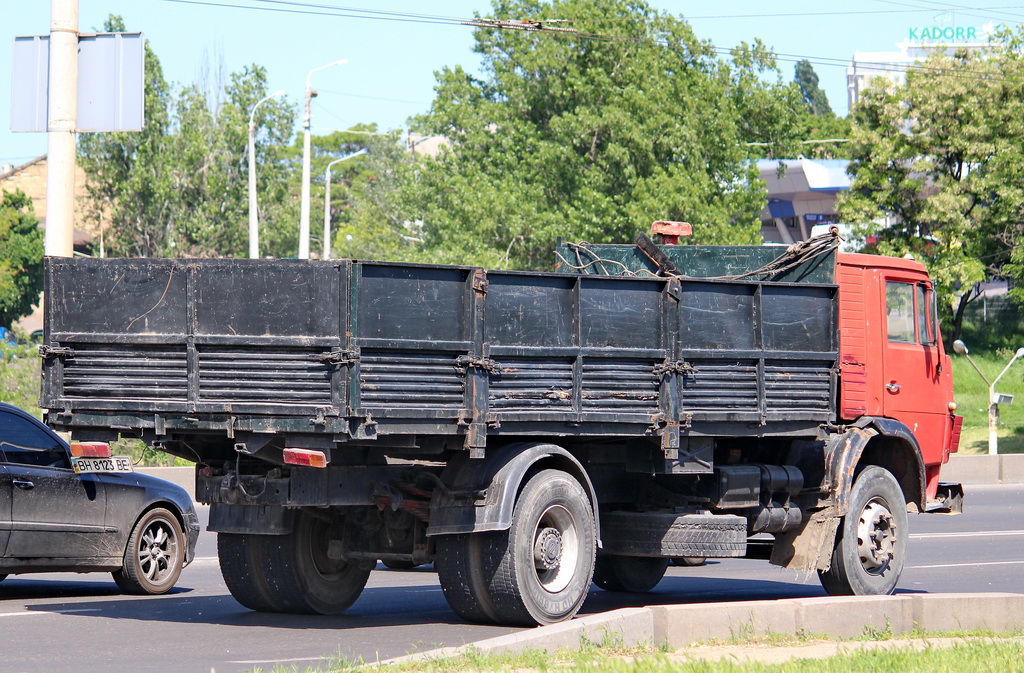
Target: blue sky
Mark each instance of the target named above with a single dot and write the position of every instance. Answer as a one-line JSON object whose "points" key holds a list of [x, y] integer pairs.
{"points": [[389, 76]]}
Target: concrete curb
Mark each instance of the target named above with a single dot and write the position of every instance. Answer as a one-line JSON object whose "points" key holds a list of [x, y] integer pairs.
{"points": [[1002, 469], [676, 626]]}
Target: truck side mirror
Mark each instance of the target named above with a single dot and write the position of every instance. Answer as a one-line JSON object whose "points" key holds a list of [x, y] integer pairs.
{"points": [[960, 348]]}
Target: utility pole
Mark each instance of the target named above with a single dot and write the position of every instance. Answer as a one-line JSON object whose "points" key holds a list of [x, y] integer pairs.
{"points": [[994, 398], [254, 217], [304, 205], [61, 127], [327, 201]]}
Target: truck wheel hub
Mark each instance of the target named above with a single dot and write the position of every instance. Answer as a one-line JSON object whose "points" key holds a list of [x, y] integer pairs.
{"points": [[547, 550], [876, 538]]}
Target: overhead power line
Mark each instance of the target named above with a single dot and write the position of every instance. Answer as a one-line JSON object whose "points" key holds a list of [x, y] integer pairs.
{"points": [[935, 6], [546, 26], [312, 9]]}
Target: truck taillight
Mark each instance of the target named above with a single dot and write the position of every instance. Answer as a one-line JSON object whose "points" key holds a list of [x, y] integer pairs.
{"points": [[90, 449], [305, 457]]}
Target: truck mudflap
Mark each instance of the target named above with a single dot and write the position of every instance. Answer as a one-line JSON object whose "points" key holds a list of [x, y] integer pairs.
{"points": [[949, 499]]}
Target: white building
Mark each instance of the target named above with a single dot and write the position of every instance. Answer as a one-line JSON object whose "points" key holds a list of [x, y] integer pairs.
{"points": [[921, 41]]}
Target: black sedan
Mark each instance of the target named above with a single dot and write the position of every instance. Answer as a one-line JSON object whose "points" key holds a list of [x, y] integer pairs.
{"points": [[87, 512]]}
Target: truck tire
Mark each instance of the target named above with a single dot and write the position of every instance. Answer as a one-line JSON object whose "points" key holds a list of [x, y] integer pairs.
{"points": [[536, 572], [241, 566], [670, 535], [300, 576], [629, 574], [871, 543]]}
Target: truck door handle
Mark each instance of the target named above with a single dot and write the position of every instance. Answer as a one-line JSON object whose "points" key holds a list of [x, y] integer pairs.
{"points": [[892, 387], [24, 485]]}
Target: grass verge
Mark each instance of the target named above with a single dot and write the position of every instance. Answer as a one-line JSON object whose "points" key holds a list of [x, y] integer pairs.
{"points": [[976, 651], [971, 394]]}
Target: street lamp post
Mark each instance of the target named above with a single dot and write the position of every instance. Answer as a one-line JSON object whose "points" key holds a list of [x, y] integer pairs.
{"points": [[304, 205], [254, 217], [994, 398], [327, 201]]}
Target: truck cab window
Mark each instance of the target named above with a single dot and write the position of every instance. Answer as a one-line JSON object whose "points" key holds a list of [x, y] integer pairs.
{"points": [[899, 308], [926, 315]]}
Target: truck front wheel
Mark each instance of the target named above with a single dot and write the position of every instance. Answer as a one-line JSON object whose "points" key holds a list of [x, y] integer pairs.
{"points": [[536, 572], [871, 544]]}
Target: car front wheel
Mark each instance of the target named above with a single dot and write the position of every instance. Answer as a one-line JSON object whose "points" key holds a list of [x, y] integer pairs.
{"points": [[154, 555]]}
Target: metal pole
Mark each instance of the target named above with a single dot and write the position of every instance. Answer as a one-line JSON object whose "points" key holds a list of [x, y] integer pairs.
{"points": [[993, 406], [254, 222], [993, 421], [254, 217], [304, 204], [62, 124], [304, 198], [327, 201], [327, 210]]}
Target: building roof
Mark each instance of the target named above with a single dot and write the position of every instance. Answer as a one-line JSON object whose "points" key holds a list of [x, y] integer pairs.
{"points": [[804, 175], [7, 170]]}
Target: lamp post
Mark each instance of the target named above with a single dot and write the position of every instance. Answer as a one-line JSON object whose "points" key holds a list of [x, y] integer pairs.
{"points": [[994, 398], [304, 205], [254, 217], [327, 201]]}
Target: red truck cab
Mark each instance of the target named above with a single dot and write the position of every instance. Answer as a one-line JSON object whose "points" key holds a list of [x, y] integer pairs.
{"points": [[891, 359]]}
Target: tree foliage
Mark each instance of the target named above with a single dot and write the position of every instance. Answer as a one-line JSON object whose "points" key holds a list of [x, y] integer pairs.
{"points": [[21, 257], [592, 135], [179, 187], [939, 160], [807, 80], [368, 197], [817, 124]]}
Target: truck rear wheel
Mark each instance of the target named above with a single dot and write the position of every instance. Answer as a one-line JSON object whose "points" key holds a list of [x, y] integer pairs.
{"points": [[536, 572], [871, 544], [302, 577], [629, 574], [242, 567]]}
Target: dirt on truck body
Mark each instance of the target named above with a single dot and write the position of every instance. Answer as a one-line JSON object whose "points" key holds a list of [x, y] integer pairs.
{"points": [[527, 432]]}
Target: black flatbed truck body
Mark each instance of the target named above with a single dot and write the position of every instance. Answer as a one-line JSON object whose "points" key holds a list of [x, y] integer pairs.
{"points": [[343, 350]]}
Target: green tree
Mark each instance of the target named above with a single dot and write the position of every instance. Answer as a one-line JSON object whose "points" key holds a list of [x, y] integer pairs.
{"points": [[367, 196], [939, 161], [817, 122], [21, 257], [179, 187], [807, 80], [592, 135]]}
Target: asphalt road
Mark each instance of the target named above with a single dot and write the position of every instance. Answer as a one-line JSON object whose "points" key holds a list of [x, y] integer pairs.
{"points": [[65, 623]]}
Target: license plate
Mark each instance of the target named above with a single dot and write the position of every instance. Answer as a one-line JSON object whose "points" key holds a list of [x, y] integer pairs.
{"points": [[91, 465]]}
